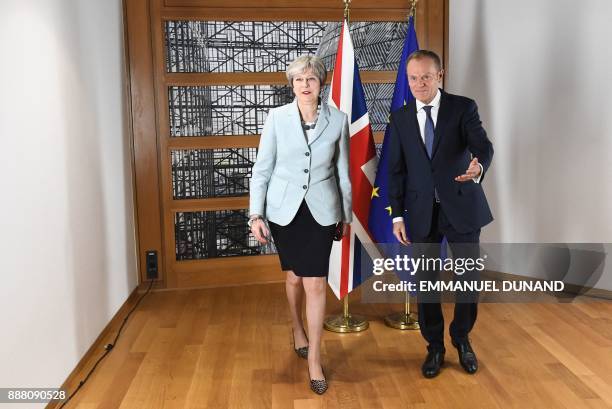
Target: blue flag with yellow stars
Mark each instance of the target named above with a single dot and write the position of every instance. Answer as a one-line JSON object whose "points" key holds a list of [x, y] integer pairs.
{"points": [[380, 221]]}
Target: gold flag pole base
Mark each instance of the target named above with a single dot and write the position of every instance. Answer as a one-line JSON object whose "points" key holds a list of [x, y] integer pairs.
{"points": [[346, 322], [340, 323], [403, 320]]}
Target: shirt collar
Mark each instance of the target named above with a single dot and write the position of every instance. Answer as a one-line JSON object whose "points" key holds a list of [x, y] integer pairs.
{"points": [[435, 102]]}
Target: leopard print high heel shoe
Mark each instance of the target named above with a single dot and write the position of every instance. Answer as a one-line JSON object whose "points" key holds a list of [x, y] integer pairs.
{"points": [[318, 386], [302, 352]]}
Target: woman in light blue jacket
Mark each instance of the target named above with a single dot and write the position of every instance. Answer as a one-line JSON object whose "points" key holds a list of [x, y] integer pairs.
{"points": [[301, 186]]}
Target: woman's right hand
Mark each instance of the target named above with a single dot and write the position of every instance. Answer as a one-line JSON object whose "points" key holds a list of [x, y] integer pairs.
{"points": [[260, 231]]}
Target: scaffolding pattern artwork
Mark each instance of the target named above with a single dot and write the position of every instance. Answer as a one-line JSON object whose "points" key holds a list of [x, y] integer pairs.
{"points": [[212, 234], [378, 45], [238, 46], [207, 173], [263, 46], [378, 99], [200, 111], [378, 147], [223, 110]]}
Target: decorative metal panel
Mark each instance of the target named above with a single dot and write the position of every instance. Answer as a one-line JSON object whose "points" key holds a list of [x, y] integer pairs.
{"points": [[378, 147], [213, 46], [262, 46], [378, 101], [238, 46], [223, 110], [222, 233], [206, 173], [378, 45]]}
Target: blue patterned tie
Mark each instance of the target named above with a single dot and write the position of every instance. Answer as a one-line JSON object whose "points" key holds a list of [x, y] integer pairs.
{"points": [[429, 139], [429, 130]]}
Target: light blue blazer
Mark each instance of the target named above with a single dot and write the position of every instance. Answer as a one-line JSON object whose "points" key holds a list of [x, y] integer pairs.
{"points": [[289, 170]]}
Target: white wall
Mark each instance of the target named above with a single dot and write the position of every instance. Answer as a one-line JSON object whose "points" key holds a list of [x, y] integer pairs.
{"points": [[541, 72], [66, 213]]}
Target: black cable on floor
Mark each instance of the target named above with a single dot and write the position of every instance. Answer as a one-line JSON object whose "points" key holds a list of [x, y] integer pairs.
{"points": [[108, 347]]}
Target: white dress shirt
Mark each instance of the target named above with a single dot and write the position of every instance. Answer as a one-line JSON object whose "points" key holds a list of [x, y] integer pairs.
{"points": [[422, 115], [422, 118]]}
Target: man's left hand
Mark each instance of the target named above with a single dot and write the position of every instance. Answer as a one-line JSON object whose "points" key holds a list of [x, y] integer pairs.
{"points": [[473, 171]]}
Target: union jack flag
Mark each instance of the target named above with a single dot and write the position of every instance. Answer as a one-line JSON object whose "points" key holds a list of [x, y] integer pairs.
{"points": [[347, 95]]}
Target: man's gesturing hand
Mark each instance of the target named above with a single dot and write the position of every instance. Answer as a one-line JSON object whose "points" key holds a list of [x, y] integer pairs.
{"points": [[473, 171], [399, 231]]}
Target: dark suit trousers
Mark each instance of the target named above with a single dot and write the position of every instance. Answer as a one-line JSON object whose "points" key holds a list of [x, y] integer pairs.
{"points": [[431, 320]]}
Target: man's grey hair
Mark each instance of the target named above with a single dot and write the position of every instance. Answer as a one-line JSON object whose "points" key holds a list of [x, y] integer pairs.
{"points": [[420, 54], [304, 63]]}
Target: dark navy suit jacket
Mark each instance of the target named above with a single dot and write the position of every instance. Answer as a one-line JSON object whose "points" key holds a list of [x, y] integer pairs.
{"points": [[413, 176]]}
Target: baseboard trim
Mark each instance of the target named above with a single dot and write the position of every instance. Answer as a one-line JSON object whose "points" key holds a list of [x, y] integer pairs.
{"points": [[97, 348], [212, 286]]}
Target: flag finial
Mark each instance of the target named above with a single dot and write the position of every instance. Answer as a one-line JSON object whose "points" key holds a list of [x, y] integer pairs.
{"points": [[347, 12], [413, 6]]}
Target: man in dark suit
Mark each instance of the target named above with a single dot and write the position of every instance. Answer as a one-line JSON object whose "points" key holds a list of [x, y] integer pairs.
{"points": [[438, 155]]}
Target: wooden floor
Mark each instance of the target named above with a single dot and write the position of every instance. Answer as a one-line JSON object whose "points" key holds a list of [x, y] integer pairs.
{"points": [[231, 348]]}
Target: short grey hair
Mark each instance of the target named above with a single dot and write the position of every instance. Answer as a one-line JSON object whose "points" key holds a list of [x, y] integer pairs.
{"points": [[421, 54], [304, 63]]}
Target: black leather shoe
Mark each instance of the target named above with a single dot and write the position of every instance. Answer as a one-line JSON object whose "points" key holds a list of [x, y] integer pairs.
{"points": [[467, 357], [433, 363]]}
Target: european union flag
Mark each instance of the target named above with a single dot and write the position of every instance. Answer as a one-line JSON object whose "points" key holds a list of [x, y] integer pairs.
{"points": [[380, 222]]}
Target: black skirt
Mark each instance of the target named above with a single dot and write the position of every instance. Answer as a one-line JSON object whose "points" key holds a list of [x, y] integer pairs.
{"points": [[304, 245]]}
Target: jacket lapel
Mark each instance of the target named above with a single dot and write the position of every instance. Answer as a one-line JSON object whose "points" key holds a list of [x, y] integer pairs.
{"points": [[322, 122], [414, 124], [295, 123], [443, 115]]}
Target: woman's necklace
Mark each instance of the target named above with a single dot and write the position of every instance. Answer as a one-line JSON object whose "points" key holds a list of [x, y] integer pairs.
{"points": [[307, 126]]}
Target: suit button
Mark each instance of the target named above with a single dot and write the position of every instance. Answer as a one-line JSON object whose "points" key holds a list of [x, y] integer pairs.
{"points": [[304, 187], [305, 170], [307, 154]]}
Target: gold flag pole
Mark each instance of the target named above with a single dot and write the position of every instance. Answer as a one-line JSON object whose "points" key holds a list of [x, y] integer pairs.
{"points": [[346, 322], [405, 320]]}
